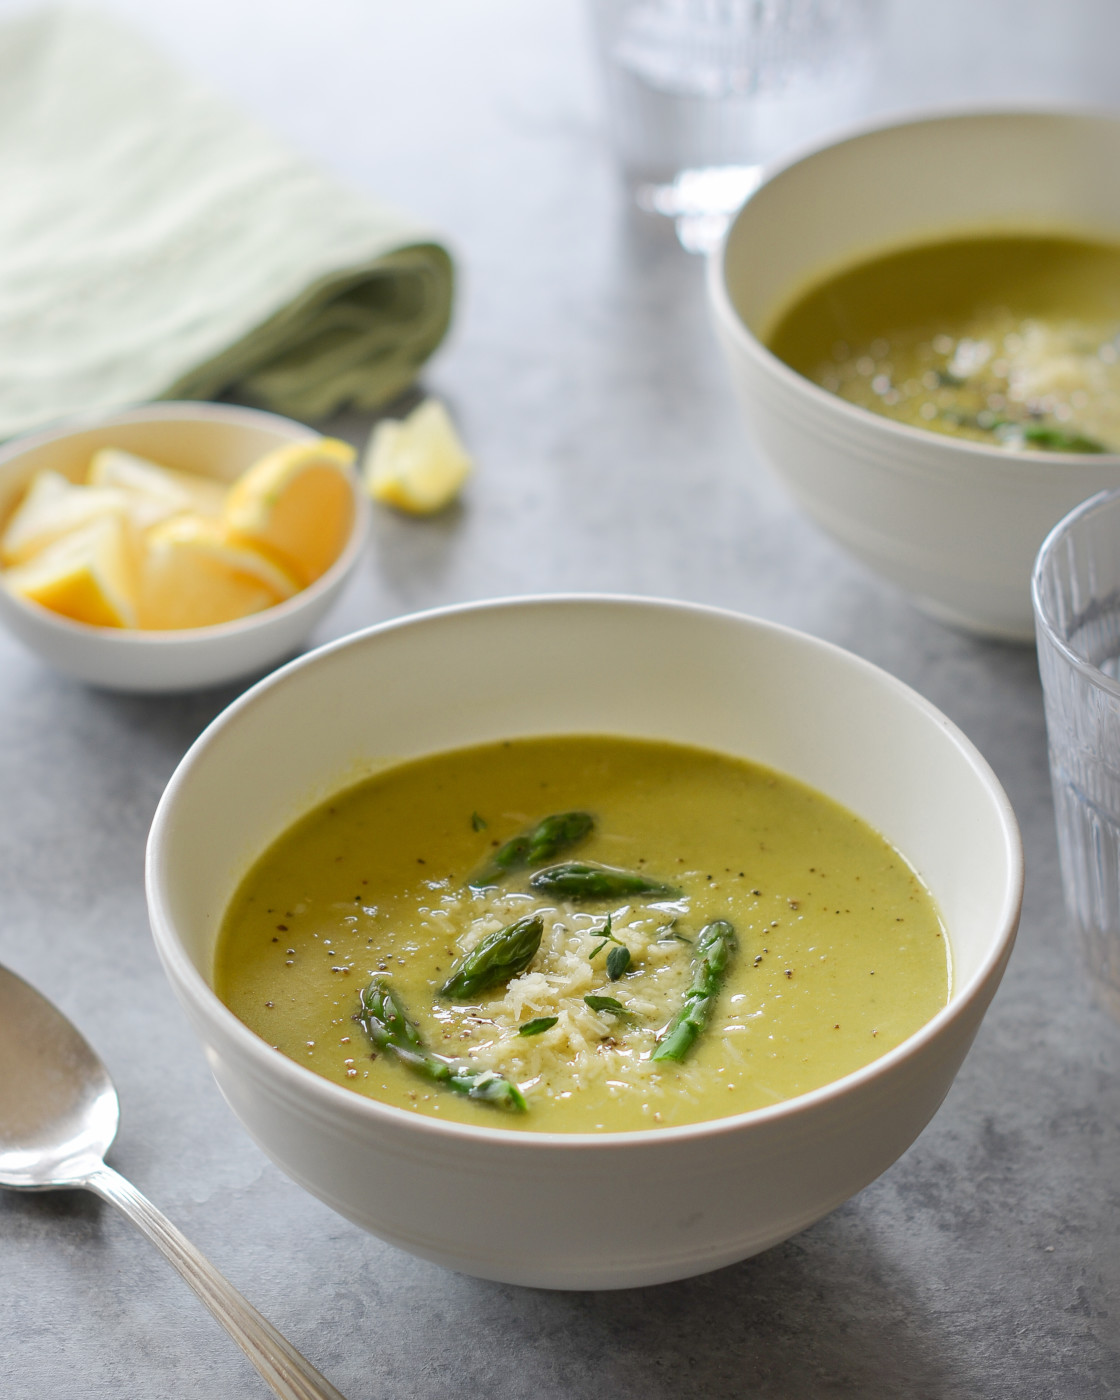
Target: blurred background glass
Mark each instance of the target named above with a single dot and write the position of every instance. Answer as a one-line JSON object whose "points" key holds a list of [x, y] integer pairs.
{"points": [[701, 92]]}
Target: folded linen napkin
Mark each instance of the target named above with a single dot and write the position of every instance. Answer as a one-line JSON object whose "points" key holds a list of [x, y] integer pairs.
{"points": [[157, 243]]}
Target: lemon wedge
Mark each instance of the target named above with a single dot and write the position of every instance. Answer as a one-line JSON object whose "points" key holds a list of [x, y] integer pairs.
{"points": [[87, 575], [194, 573], [176, 491], [418, 463], [143, 545], [119, 484], [52, 508], [296, 505]]}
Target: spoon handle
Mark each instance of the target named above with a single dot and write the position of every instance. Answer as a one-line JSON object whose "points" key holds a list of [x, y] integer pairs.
{"points": [[287, 1372]]}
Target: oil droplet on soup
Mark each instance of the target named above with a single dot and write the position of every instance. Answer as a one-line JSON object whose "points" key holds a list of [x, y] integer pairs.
{"points": [[840, 950]]}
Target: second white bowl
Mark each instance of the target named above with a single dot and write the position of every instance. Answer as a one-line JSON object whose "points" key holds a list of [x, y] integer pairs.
{"points": [[955, 524]]}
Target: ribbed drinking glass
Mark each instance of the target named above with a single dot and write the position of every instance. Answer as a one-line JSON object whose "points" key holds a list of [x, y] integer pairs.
{"points": [[1076, 594]]}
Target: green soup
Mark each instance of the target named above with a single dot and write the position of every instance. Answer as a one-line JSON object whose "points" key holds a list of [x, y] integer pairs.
{"points": [[1009, 340], [839, 950]]}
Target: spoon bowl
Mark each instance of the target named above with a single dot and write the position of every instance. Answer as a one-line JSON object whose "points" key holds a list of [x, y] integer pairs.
{"points": [[58, 1117], [59, 1114]]}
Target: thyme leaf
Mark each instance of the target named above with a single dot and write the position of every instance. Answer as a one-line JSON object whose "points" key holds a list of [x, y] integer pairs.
{"points": [[542, 1023], [607, 1004], [607, 937], [618, 960]]}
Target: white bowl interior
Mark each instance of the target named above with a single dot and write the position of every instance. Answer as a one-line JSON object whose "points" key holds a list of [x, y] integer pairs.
{"points": [[918, 181], [210, 439], [466, 677]]}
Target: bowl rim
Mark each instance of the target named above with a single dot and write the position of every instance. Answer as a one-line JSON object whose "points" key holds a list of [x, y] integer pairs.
{"points": [[187, 410], [986, 455], [333, 1099]]}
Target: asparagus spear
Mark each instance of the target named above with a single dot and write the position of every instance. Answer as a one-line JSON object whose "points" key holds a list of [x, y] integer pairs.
{"points": [[544, 843], [385, 1021], [500, 956], [713, 952], [588, 880]]}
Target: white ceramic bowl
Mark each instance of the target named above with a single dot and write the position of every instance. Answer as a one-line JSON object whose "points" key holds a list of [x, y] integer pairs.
{"points": [[606, 1210], [218, 440], [955, 524]]}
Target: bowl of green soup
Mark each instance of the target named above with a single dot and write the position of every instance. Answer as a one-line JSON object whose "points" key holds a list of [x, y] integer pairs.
{"points": [[922, 323], [554, 972]]}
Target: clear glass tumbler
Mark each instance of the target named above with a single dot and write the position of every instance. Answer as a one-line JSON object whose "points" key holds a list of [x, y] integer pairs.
{"points": [[700, 92], [1076, 593]]}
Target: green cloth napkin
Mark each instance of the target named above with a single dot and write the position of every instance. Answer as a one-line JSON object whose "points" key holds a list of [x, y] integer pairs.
{"points": [[157, 243]]}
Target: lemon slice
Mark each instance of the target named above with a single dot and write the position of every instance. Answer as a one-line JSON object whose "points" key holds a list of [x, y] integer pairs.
{"points": [[53, 507], [195, 574], [175, 490], [87, 575], [296, 505], [417, 464]]}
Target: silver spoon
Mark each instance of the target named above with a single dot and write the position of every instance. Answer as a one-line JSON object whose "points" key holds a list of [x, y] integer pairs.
{"points": [[58, 1115]]}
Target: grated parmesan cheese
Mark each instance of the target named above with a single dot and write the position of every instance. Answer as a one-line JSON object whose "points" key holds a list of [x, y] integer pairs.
{"points": [[584, 1046]]}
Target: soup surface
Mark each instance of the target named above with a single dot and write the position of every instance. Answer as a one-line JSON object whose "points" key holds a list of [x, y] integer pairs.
{"points": [[839, 952], [1009, 340]]}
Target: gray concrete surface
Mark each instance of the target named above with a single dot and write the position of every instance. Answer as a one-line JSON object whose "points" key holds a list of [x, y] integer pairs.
{"points": [[986, 1262]]}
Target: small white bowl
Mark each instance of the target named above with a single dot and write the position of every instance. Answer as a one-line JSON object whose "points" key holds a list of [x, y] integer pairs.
{"points": [[603, 1210], [955, 524], [218, 440]]}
